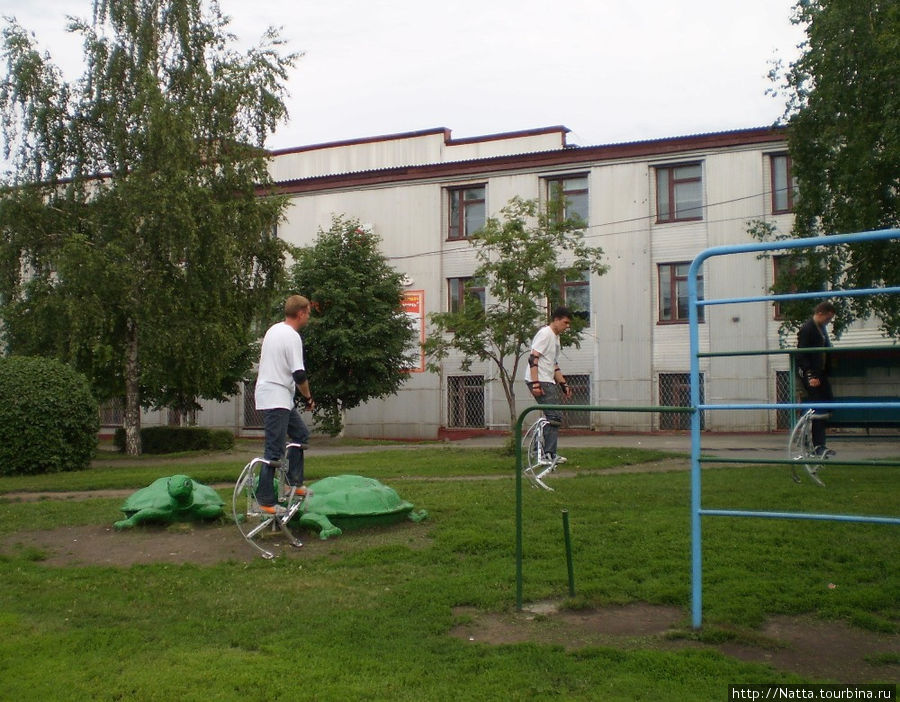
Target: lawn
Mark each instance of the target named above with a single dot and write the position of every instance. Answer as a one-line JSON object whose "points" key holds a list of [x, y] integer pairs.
{"points": [[368, 616]]}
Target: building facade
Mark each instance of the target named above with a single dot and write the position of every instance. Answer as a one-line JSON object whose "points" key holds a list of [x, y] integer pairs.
{"points": [[651, 206]]}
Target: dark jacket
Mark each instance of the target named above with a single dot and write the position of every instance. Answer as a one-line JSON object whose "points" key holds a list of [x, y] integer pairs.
{"points": [[813, 365]]}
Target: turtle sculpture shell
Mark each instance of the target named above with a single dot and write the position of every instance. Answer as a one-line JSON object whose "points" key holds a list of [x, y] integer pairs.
{"points": [[353, 501]]}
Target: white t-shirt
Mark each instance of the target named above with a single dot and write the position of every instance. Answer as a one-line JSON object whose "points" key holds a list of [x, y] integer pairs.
{"points": [[546, 343], [281, 355]]}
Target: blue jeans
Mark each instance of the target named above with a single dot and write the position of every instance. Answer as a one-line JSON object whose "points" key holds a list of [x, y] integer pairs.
{"points": [[281, 424], [554, 417]]}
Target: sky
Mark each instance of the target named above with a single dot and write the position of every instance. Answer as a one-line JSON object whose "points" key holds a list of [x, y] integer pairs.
{"points": [[610, 70]]}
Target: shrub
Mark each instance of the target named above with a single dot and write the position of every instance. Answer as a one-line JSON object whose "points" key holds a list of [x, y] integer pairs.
{"points": [[48, 417], [174, 439]]}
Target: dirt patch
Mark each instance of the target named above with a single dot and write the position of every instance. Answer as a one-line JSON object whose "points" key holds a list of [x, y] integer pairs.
{"points": [[201, 544], [807, 647], [102, 545]]}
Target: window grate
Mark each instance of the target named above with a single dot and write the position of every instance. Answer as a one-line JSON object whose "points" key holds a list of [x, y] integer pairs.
{"points": [[675, 391], [581, 395], [253, 418], [112, 413], [783, 394], [465, 401]]}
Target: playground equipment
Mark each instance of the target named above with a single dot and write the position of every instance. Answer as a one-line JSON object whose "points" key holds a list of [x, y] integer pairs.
{"points": [[694, 304], [696, 407]]}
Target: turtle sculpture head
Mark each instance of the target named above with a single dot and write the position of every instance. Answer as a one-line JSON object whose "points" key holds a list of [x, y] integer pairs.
{"points": [[181, 488]]}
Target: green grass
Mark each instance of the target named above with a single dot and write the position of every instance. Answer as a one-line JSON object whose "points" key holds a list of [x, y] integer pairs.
{"points": [[368, 617], [425, 461]]}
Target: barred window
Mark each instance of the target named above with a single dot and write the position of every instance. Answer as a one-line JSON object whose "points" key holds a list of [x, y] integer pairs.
{"points": [[581, 395], [675, 391], [465, 401], [253, 418]]}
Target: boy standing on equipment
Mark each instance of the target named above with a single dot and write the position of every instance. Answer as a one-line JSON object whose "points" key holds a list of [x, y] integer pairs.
{"points": [[544, 378], [281, 375], [814, 369]]}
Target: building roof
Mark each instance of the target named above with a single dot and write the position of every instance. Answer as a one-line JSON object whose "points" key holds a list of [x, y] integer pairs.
{"points": [[564, 156]]}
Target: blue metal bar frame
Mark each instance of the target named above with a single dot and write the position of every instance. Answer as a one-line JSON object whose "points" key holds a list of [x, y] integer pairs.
{"points": [[693, 304]]}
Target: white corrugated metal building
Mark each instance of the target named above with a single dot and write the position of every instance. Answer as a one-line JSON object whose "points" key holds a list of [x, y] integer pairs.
{"points": [[652, 206]]}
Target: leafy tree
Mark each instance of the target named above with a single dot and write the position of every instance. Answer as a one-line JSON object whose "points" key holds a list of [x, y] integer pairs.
{"points": [[520, 265], [358, 340], [134, 243], [843, 118]]}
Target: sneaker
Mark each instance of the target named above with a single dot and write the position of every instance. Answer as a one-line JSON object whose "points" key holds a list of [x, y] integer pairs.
{"points": [[559, 460], [274, 510], [823, 452], [298, 490]]}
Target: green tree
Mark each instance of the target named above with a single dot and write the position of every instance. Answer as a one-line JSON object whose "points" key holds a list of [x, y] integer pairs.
{"points": [[358, 342], [135, 242], [843, 118], [520, 263]]}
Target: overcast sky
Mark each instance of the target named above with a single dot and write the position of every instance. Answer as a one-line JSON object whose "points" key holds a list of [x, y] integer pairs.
{"points": [[611, 71]]}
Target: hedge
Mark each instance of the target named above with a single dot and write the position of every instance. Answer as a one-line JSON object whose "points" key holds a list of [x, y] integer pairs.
{"points": [[48, 417], [175, 439]]}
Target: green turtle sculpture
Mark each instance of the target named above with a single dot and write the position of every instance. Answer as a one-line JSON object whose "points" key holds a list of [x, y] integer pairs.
{"points": [[353, 501], [175, 498]]}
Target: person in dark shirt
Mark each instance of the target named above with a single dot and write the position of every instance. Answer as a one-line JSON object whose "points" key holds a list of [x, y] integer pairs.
{"points": [[814, 369]]}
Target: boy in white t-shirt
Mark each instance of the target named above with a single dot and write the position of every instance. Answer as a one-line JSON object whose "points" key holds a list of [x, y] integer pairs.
{"points": [[544, 378], [281, 375]]}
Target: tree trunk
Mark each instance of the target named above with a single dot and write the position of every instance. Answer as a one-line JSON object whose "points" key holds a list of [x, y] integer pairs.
{"points": [[508, 381], [132, 418]]}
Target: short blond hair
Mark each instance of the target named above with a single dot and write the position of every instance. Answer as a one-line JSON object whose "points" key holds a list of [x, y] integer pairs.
{"points": [[294, 305]]}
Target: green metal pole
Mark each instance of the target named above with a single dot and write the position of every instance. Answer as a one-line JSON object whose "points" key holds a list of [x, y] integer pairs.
{"points": [[517, 437], [565, 519]]}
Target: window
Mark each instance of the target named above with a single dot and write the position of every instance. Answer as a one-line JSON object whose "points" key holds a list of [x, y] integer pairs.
{"points": [[783, 396], [574, 191], [783, 269], [673, 292], [784, 185], [112, 412], [459, 290], [581, 395], [679, 193], [675, 391], [253, 418], [575, 292], [465, 401], [466, 211]]}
